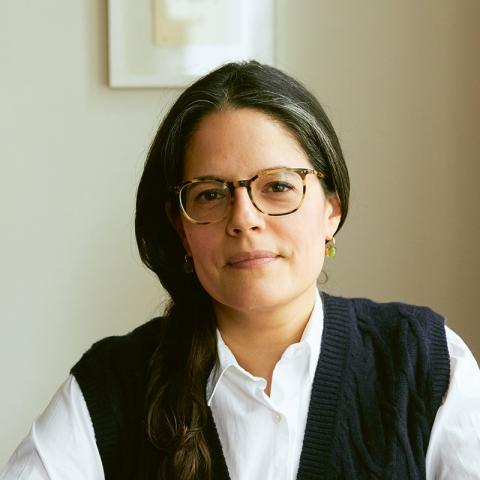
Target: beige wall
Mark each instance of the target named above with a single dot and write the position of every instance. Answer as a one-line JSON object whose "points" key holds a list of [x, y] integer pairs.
{"points": [[401, 82]]}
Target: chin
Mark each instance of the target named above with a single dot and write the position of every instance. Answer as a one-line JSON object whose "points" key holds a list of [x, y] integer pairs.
{"points": [[253, 299]]}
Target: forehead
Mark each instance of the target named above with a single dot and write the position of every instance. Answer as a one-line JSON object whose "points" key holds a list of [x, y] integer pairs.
{"points": [[237, 143]]}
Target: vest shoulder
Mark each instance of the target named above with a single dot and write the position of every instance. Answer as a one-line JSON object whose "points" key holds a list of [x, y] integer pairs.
{"points": [[392, 321], [125, 352], [387, 313]]}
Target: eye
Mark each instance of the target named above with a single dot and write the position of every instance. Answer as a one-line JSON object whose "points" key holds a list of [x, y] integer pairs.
{"points": [[278, 187], [210, 196]]}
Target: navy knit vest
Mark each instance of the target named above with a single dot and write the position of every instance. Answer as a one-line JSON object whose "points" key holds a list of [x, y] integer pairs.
{"points": [[381, 376]]}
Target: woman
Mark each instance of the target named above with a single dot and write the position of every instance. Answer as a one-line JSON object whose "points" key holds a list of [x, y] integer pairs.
{"points": [[253, 373]]}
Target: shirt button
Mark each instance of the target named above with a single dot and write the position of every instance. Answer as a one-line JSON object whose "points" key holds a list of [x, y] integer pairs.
{"points": [[276, 417], [298, 350]]}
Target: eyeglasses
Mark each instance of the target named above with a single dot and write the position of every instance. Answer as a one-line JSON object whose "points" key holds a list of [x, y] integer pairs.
{"points": [[274, 192]]}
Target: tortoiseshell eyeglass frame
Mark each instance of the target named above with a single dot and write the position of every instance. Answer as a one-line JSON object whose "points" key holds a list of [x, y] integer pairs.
{"points": [[302, 172]]}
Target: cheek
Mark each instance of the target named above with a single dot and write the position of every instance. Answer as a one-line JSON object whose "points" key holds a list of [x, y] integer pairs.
{"points": [[203, 248], [313, 241], [309, 239], [205, 252], [197, 242], [313, 214]]}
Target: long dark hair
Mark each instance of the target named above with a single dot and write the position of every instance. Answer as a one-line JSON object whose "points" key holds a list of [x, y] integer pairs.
{"points": [[176, 406]]}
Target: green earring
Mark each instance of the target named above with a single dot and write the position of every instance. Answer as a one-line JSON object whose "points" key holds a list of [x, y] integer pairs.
{"points": [[330, 249]]}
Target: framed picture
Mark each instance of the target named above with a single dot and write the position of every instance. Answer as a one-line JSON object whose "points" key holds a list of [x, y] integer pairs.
{"points": [[170, 43]]}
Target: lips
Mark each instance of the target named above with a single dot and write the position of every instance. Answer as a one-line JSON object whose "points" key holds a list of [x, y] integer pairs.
{"points": [[251, 259]]}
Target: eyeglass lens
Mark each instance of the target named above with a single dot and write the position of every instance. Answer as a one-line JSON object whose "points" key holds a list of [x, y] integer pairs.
{"points": [[273, 193]]}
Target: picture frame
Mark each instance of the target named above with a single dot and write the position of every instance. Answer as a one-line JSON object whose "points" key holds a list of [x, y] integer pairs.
{"points": [[171, 43]]}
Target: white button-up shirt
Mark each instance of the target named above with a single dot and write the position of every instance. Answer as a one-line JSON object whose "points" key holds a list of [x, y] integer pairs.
{"points": [[261, 436]]}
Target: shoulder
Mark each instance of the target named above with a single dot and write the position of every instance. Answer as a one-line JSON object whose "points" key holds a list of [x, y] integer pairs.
{"points": [[112, 376], [123, 350], [389, 316], [113, 379], [395, 330]]}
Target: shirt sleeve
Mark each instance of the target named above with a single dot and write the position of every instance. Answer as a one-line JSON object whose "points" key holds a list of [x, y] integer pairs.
{"points": [[61, 442], [454, 447]]}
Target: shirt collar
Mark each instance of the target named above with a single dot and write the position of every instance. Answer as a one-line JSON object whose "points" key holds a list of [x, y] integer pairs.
{"points": [[311, 338]]}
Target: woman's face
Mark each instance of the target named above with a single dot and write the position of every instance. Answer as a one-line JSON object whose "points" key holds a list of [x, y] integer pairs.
{"points": [[236, 144]]}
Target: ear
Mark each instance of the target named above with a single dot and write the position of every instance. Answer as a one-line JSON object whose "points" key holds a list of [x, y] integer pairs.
{"points": [[175, 220], [333, 215]]}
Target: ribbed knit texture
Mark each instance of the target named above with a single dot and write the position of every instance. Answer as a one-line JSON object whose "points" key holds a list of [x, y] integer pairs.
{"points": [[381, 376]]}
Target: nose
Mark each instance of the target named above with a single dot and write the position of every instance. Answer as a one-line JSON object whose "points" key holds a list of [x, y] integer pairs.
{"points": [[243, 216]]}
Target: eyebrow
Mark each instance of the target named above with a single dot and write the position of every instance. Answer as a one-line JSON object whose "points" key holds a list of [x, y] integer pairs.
{"points": [[215, 177], [209, 177]]}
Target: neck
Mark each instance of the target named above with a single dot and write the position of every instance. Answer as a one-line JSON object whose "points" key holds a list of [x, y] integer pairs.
{"points": [[258, 338]]}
